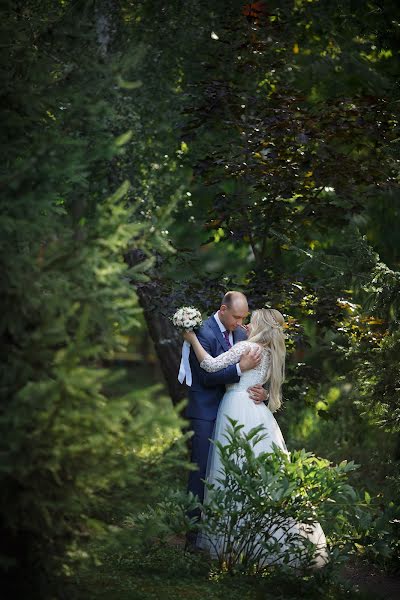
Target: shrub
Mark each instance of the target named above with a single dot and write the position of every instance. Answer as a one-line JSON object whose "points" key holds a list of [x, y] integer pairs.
{"points": [[261, 506], [250, 515]]}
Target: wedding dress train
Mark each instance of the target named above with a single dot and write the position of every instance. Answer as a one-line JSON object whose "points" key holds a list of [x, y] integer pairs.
{"points": [[236, 404]]}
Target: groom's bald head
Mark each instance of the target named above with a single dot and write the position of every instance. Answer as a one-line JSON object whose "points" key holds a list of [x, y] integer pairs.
{"points": [[234, 298], [233, 309]]}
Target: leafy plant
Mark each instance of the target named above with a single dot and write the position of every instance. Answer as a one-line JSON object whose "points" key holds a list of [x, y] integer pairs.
{"points": [[262, 506], [256, 514]]}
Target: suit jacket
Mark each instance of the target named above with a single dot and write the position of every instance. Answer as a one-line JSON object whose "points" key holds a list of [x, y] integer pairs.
{"points": [[207, 389]]}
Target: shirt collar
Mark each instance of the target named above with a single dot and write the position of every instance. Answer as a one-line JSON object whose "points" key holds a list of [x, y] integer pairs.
{"points": [[220, 324]]}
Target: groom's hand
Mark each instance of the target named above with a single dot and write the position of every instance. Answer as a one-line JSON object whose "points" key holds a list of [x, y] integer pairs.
{"points": [[257, 393], [250, 359]]}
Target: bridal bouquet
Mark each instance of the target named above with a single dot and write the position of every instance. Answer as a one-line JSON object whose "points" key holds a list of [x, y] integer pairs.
{"points": [[187, 318]]}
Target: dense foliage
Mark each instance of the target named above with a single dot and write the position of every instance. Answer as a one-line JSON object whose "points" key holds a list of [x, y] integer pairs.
{"points": [[67, 439], [154, 155]]}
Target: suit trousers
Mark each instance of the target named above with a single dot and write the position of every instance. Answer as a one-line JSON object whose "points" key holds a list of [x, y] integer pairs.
{"points": [[203, 431]]}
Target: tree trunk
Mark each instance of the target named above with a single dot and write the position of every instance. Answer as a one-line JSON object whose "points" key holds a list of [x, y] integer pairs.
{"points": [[106, 20], [167, 340]]}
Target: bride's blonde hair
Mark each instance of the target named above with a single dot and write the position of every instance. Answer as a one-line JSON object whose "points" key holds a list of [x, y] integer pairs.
{"points": [[267, 330]]}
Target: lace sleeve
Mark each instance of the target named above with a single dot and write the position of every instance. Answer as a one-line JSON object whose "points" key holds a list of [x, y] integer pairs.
{"points": [[231, 357]]}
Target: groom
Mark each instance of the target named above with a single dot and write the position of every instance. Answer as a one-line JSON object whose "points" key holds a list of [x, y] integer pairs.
{"points": [[217, 334]]}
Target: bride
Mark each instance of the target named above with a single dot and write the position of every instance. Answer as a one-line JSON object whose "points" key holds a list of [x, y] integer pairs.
{"points": [[266, 331]]}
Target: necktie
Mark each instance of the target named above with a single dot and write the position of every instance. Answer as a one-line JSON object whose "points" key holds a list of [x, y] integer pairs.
{"points": [[226, 336]]}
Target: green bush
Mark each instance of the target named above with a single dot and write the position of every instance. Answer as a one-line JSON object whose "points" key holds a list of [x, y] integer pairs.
{"points": [[257, 494], [380, 539], [258, 498], [65, 442], [68, 217]]}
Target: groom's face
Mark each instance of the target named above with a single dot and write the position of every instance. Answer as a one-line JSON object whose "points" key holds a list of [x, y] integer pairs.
{"points": [[232, 317]]}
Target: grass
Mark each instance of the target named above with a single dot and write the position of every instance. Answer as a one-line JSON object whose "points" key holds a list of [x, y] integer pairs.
{"points": [[168, 572]]}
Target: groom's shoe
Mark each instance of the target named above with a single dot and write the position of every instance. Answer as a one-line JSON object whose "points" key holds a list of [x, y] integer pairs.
{"points": [[192, 549], [190, 543], [200, 552]]}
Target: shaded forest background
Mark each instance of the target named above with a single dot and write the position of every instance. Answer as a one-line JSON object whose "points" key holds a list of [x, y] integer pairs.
{"points": [[156, 154]]}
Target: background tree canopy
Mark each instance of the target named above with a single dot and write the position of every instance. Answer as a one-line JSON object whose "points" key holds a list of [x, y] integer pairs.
{"points": [[160, 154]]}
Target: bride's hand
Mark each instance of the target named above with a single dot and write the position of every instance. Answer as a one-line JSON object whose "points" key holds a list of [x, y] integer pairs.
{"points": [[189, 336]]}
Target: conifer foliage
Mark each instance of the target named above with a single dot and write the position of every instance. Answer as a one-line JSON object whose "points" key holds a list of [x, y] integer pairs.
{"points": [[67, 298]]}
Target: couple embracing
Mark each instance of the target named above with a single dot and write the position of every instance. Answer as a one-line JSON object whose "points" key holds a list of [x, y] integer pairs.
{"points": [[230, 365]]}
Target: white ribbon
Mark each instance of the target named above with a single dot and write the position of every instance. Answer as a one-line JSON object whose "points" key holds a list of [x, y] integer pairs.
{"points": [[184, 368]]}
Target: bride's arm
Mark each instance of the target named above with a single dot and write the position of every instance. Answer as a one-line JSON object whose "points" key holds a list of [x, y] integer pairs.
{"points": [[198, 349], [231, 357]]}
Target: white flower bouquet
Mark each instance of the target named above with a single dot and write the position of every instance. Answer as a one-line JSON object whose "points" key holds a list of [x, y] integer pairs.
{"points": [[187, 318]]}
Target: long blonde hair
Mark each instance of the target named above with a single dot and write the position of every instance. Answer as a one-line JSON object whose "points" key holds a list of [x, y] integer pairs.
{"points": [[267, 330]]}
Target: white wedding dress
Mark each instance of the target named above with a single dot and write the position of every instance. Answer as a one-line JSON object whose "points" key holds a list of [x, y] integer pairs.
{"points": [[236, 404]]}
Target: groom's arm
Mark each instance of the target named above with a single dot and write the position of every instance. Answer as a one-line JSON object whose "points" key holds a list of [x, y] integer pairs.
{"points": [[222, 377]]}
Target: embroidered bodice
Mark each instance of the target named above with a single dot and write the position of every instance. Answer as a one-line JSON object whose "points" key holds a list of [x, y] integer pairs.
{"points": [[248, 378]]}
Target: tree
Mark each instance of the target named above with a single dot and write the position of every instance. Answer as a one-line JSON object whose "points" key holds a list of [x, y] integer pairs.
{"points": [[66, 440], [288, 128]]}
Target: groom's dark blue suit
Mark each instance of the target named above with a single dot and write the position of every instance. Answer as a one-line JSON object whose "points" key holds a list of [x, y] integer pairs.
{"points": [[205, 395]]}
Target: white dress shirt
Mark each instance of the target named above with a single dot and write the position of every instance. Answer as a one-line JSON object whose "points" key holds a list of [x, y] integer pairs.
{"points": [[223, 328]]}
